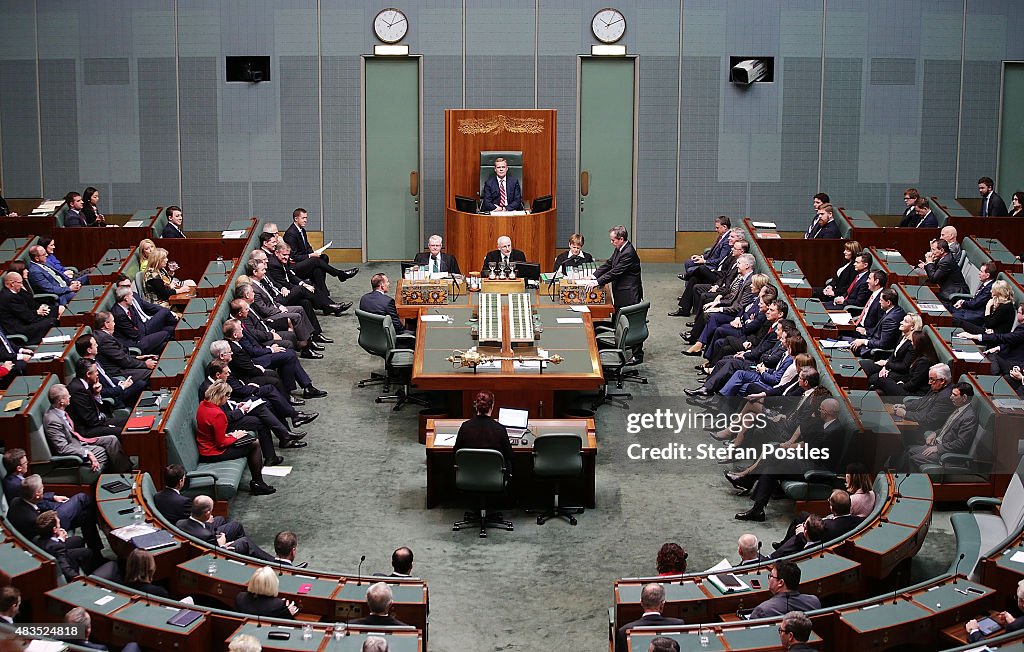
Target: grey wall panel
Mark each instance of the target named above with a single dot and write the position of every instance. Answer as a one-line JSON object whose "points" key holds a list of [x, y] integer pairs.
{"points": [[342, 211], [979, 127], [657, 168], [58, 101], [941, 98], [442, 89], [19, 129]]}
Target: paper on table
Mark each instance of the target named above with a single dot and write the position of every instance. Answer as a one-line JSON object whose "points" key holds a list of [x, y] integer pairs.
{"points": [[932, 307], [323, 248], [969, 356], [1018, 557], [233, 235], [570, 320], [764, 225], [434, 317], [133, 223], [14, 405], [56, 339], [720, 566], [834, 344], [277, 471], [841, 318], [45, 646], [579, 308], [769, 235], [789, 280], [890, 253], [446, 439], [46, 355], [128, 532], [528, 364]]}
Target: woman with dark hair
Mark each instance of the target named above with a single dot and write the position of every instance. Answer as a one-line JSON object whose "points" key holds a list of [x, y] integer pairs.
{"points": [[844, 275], [54, 263], [138, 574], [671, 559], [574, 257], [1017, 204], [482, 431], [858, 484], [913, 381], [90, 209]]}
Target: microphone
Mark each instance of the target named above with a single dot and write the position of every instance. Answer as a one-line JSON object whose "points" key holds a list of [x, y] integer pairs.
{"points": [[956, 569], [359, 570], [900, 484], [259, 623]]}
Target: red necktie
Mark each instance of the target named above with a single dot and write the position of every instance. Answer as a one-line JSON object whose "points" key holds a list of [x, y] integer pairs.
{"points": [[503, 200], [850, 289], [84, 440]]}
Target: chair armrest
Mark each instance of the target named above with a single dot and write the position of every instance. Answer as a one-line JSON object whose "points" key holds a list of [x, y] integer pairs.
{"points": [[878, 354], [65, 461], [18, 339], [603, 329], [134, 351], [983, 501], [393, 352], [203, 474], [406, 339], [44, 296], [956, 460], [854, 310], [819, 476], [953, 298]]}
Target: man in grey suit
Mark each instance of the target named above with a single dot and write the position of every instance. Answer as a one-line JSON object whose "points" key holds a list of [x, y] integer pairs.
{"points": [[100, 453], [784, 582], [955, 436]]}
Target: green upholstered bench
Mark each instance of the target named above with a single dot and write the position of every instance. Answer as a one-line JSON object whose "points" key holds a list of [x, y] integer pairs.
{"points": [[980, 534]]}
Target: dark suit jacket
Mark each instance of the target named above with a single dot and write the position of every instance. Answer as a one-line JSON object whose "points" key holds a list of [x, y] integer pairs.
{"points": [[495, 255], [127, 328], [513, 194], [873, 313], [74, 218], [261, 605], [910, 217], [564, 260], [448, 262], [973, 309], [960, 435], [88, 415], [173, 505], [484, 432], [947, 275], [1002, 319], [241, 362], [22, 515], [293, 238], [1011, 345], [196, 529], [381, 304], [842, 278], [18, 314], [996, 206], [622, 270], [649, 620], [837, 526], [886, 332], [280, 274], [830, 230], [932, 409], [860, 293], [899, 361], [928, 221], [378, 621], [115, 357], [171, 231], [89, 215], [719, 251]]}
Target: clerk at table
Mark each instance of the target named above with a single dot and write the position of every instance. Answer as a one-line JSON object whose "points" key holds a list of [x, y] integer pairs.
{"points": [[502, 193], [434, 260], [482, 431], [502, 256], [574, 257]]}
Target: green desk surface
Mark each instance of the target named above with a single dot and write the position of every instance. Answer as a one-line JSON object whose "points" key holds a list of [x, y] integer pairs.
{"points": [[178, 349], [885, 538], [952, 207], [200, 305], [884, 615], [640, 641], [404, 593], [235, 225], [675, 592], [950, 596], [1005, 560], [57, 347], [818, 567], [921, 293], [354, 643], [109, 509], [194, 320], [89, 597], [995, 386], [914, 485], [170, 368], [756, 637], [24, 386], [294, 643], [103, 495], [15, 560], [909, 511], [235, 572], [165, 399], [997, 250], [155, 616], [108, 267], [845, 364]]}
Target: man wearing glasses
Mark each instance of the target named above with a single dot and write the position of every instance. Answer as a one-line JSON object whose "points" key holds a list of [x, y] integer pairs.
{"points": [[794, 631], [931, 410], [783, 582]]}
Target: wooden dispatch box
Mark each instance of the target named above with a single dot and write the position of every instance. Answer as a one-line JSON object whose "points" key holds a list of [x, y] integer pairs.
{"points": [[573, 293], [425, 293]]}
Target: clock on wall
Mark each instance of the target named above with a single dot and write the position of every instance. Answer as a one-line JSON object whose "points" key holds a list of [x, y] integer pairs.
{"points": [[390, 25], [608, 25]]}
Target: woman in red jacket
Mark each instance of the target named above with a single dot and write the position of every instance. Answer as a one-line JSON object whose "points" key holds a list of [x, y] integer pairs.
{"points": [[216, 444]]}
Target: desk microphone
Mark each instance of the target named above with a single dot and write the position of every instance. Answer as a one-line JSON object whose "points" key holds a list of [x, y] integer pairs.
{"points": [[956, 569], [359, 570], [900, 484], [259, 623]]}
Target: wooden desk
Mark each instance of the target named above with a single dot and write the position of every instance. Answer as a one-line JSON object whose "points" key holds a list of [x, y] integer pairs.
{"points": [[323, 639], [441, 464], [915, 295], [59, 366], [528, 389]]}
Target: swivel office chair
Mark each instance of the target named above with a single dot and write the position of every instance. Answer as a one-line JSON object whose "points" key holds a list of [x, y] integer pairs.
{"points": [[613, 361], [636, 314], [482, 472], [558, 456], [377, 337]]}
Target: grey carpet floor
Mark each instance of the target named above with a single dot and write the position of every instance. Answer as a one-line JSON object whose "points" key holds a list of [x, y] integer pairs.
{"points": [[360, 488]]}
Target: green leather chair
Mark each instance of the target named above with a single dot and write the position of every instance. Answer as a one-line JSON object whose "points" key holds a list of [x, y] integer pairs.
{"points": [[636, 314], [613, 361], [557, 457], [482, 472], [377, 337]]}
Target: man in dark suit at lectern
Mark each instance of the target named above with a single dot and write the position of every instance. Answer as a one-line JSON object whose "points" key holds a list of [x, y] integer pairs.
{"points": [[622, 270], [435, 261], [500, 192]]}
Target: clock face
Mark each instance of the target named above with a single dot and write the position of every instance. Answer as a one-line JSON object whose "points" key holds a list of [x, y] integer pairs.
{"points": [[608, 25], [390, 25]]}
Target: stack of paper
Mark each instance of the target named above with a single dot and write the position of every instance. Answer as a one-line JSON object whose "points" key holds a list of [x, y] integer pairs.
{"points": [[128, 532], [233, 235], [932, 307]]}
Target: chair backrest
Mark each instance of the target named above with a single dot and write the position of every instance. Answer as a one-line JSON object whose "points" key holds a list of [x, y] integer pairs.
{"points": [[1011, 511], [479, 469], [558, 454], [373, 333], [515, 167], [637, 316], [971, 274], [61, 214], [140, 284], [622, 332]]}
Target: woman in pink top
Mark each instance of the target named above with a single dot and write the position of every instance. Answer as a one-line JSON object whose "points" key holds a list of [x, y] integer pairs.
{"points": [[858, 483]]}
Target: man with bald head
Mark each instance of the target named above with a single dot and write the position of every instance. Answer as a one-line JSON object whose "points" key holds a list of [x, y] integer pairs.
{"points": [[502, 256], [46, 279], [652, 600], [21, 314], [749, 549]]}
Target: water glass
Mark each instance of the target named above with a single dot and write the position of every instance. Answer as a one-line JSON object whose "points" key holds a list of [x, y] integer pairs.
{"points": [[704, 641], [307, 632], [211, 568]]}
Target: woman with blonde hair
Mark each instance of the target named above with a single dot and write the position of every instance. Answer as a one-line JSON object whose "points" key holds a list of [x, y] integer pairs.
{"points": [[161, 284], [146, 247], [260, 597], [899, 361]]}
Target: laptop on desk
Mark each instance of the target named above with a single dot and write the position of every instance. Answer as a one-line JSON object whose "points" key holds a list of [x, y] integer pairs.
{"points": [[515, 421]]}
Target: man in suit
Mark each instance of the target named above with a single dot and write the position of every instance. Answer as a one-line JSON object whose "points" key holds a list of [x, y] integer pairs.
{"points": [[700, 267], [1010, 622], [401, 562], [309, 264], [129, 327], [279, 268], [949, 234], [931, 410], [767, 351], [241, 310], [943, 271], [282, 405], [957, 433], [200, 524], [795, 631], [73, 557], [243, 368], [378, 302], [728, 303], [176, 507], [750, 333], [719, 328], [73, 217], [79, 616], [763, 376], [925, 217], [13, 358], [820, 199], [154, 318], [910, 197], [114, 355], [174, 223], [749, 550], [285, 546], [622, 271], [836, 524], [784, 584], [20, 314], [972, 310], [717, 277], [10, 603], [261, 299], [79, 510], [652, 600], [307, 327], [886, 332], [502, 193], [868, 317], [88, 412], [857, 293], [100, 453], [827, 227], [501, 257], [992, 205], [434, 260], [45, 279], [285, 362], [379, 600]]}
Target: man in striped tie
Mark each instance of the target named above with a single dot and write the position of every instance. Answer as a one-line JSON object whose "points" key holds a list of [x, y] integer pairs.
{"points": [[501, 192]]}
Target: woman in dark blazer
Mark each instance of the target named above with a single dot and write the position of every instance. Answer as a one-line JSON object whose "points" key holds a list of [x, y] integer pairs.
{"points": [[1000, 313], [1017, 204], [482, 431], [138, 574], [90, 208], [899, 361], [841, 280], [913, 382], [260, 597], [574, 257]]}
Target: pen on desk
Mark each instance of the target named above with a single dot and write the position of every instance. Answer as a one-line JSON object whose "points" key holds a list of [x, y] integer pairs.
{"points": [[960, 591]]}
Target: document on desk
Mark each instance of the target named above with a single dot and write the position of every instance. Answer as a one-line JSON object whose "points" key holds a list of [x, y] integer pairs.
{"points": [[723, 565], [446, 439], [1017, 557], [969, 356], [569, 320], [764, 225], [46, 355], [234, 234], [128, 532], [842, 318], [508, 213], [437, 318], [56, 339], [769, 235], [579, 308], [932, 307], [834, 344], [890, 253], [791, 281]]}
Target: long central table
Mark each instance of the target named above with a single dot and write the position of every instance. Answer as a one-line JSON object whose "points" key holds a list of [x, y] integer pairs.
{"points": [[514, 384]]}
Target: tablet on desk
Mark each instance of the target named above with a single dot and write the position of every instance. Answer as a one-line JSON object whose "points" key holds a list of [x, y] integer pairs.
{"points": [[515, 421]]}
